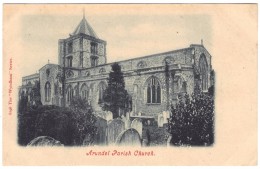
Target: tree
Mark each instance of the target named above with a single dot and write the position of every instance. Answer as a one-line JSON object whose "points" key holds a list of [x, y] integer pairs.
{"points": [[83, 121], [73, 126], [115, 95], [35, 94], [192, 121]]}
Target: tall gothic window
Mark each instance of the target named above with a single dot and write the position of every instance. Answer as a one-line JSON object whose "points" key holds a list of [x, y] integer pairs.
{"points": [[84, 92], [184, 87], [153, 91], [204, 72], [101, 90], [69, 94], [47, 91]]}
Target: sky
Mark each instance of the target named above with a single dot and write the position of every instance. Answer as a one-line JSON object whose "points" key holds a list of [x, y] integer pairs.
{"points": [[129, 32]]}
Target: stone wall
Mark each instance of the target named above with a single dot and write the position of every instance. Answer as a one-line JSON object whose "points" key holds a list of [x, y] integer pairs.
{"points": [[136, 72], [30, 79], [136, 77], [85, 49], [51, 78], [199, 50]]}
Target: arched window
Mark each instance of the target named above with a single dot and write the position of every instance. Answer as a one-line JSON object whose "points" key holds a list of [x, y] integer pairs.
{"points": [[47, 91], [94, 48], [76, 91], [203, 66], [69, 94], [70, 47], [184, 87], [153, 91], [81, 59], [94, 61], [69, 61], [84, 92], [101, 90]]}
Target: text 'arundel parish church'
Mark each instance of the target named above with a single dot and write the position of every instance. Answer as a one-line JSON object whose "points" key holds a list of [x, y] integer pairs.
{"points": [[83, 71]]}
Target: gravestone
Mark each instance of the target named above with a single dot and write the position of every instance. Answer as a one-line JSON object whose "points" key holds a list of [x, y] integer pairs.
{"points": [[129, 137], [131, 114], [127, 122], [100, 137], [166, 116], [138, 125], [127, 115], [45, 141], [114, 128], [109, 115], [160, 120]]}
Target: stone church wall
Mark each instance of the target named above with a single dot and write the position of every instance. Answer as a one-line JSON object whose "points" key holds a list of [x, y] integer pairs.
{"points": [[51, 78], [136, 76]]}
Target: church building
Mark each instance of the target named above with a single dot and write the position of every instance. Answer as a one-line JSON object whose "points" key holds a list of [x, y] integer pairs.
{"points": [[153, 82]]}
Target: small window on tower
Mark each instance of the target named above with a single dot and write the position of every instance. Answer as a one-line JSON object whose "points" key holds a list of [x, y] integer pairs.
{"points": [[70, 47], [93, 48], [81, 59], [69, 61], [94, 61]]}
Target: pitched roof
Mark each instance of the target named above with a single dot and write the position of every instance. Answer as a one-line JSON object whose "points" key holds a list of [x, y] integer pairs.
{"points": [[85, 28]]}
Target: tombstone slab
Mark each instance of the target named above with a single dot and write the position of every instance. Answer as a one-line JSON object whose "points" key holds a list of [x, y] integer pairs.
{"points": [[129, 137], [100, 137], [138, 125], [160, 120], [109, 115], [45, 141], [114, 128], [166, 116]]}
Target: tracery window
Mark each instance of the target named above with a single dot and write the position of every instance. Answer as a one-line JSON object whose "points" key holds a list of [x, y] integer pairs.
{"points": [[153, 91], [101, 90], [69, 94], [84, 91]]}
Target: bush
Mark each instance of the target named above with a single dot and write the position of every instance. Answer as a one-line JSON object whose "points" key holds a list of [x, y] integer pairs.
{"points": [[192, 121], [71, 126], [83, 122]]}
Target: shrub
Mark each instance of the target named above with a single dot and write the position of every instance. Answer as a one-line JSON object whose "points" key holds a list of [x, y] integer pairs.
{"points": [[71, 126], [192, 121]]}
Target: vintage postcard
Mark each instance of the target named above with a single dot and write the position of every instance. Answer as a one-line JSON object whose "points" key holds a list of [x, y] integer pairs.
{"points": [[130, 84]]}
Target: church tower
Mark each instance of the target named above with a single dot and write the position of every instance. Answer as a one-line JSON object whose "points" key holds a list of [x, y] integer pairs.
{"points": [[83, 49]]}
